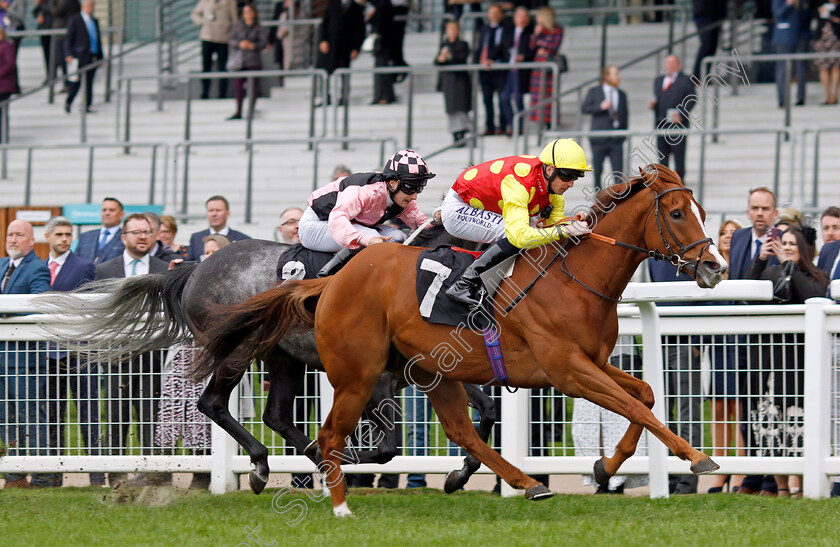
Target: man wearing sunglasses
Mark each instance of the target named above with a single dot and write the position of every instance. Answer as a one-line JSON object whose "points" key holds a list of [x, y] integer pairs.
{"points": [[496, 202], [350, 213]]}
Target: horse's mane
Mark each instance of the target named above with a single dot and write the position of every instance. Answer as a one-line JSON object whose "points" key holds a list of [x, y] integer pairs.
{"points": [[613, 195], [436, 235]]}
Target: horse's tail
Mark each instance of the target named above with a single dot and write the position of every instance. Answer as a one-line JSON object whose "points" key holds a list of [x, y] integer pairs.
{"points": [[234, 335], [135, 315]]}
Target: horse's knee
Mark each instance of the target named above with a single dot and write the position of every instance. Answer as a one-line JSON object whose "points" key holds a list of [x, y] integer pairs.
{"points": [[646, 396], [637, 412], [209, 405]]}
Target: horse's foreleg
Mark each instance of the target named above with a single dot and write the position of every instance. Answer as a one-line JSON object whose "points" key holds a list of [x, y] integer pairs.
{"points": [[607, 467], [214, 404], [486, 408], [287, 375], [449, 401], [581, 378]]}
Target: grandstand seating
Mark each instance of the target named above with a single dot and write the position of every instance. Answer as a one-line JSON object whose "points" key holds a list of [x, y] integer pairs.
{"points": [[283, 174]]}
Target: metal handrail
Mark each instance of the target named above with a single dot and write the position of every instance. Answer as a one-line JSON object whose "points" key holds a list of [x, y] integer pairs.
{"points": [[817, 131], [30, 149], [411, 71], [4, 105], [314, 145], [517, 117], [788, 58], [51, 68], [251, 75], [700, 130], [292, 24]]}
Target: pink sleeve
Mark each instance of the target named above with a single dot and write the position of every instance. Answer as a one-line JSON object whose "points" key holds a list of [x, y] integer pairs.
{"points": [[413, 216], [348, 205]]}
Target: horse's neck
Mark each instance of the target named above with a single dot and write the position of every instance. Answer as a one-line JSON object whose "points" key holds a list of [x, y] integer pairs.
{"points": [[607, 268]]}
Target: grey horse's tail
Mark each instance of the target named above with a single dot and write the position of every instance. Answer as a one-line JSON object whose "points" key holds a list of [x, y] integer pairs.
{"points": [[127, 317]]}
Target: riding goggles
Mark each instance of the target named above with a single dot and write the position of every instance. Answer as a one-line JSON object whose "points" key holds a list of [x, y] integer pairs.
{"points": [[568, 174], [411, 187]]}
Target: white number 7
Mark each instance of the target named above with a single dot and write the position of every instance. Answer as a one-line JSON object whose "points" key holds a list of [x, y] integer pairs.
{"points": [[442, 273]]}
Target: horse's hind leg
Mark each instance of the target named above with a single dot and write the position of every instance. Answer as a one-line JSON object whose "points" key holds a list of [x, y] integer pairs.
{"points": [[350, 397], [486, 408], [287, 375], [449, 401], [214, 404], [607, 467]]}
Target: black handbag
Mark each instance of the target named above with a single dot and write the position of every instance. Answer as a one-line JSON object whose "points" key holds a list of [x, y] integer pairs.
{"points": [[562, 63], [782, 288]]}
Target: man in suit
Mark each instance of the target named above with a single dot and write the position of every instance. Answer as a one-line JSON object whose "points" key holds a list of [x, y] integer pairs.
{"points": [[607, 105], [683, 385], [791, 34], [287, 231], [218, 212], [82, 43], [746, 242], [341, 35], [159, 248], [517, 80], [495, 41], [830, 224], [135, 383], [23, 424], [101, 245], [744, 248], [68, 272], [673, 99]]}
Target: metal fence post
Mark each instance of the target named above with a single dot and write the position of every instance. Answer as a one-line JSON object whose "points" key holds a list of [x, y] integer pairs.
{"points": [[222, 477], [817, 423], [514, 432], [652, 373], [27, 200], [127, 128], [89, 198], [603, 41], [410, 108]]}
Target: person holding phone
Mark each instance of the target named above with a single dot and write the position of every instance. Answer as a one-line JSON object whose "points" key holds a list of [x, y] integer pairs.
{"points": [[777, 374]]}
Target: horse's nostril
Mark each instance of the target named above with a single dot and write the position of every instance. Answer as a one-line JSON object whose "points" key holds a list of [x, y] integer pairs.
{"points": [[714, 266]]}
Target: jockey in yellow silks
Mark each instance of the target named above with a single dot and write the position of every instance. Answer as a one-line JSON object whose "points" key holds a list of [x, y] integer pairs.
{"points": [[496, 202]]}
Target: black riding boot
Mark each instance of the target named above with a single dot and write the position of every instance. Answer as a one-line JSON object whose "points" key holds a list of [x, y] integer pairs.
{"points": [[337, 262], [466, 289]]}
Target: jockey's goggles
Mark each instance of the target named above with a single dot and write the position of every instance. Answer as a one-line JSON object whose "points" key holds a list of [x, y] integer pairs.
{"points": [[566, 174], [411, 187]]}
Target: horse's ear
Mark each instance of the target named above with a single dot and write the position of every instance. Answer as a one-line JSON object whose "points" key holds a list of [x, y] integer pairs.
{"points": [[649, 173]]}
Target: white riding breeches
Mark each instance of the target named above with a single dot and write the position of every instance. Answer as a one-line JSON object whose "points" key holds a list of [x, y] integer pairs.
{"points": [[467, 222], [315, 234]]}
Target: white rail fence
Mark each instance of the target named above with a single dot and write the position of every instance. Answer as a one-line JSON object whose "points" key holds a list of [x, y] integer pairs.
{"points": [[537, 431]]}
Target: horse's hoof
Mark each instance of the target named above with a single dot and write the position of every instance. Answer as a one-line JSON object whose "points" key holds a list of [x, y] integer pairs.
{"points": [[313, 452], [704, 466], [538, 492], [342, 510], [454, 481], [257, 483], [600, 471]]}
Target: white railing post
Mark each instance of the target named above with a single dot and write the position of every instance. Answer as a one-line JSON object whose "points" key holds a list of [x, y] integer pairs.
{"points": [[817, 405], [652, 373], [514, 432], [223, 449]]}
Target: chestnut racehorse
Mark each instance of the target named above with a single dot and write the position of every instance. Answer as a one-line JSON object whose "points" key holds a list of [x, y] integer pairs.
{"points": [[560, 334]]}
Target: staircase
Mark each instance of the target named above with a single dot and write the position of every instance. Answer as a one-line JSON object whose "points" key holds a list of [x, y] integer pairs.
{"points": [[283, 173]]}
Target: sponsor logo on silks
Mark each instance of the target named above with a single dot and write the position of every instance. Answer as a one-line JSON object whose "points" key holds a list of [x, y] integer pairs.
{"points": [[471, 213]]}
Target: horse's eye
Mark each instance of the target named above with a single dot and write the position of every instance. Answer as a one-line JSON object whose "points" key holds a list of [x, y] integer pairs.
{"points": [[676, 215]]}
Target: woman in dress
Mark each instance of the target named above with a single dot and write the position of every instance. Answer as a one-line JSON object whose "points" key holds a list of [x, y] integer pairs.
{"points": [[777, 371], [545, 44], [167, 233], [724, 396], [828, 41], [456, 86], [247, 40]]}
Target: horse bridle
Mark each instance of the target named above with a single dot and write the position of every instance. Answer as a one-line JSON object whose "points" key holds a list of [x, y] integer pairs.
{"points": [[674, 258]]}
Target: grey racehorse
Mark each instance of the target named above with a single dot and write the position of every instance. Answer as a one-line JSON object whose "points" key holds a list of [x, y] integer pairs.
{"points": [[149, 312]]}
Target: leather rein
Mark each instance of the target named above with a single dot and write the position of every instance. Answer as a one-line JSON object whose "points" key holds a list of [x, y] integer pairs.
{"points": [[673, 257]]}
